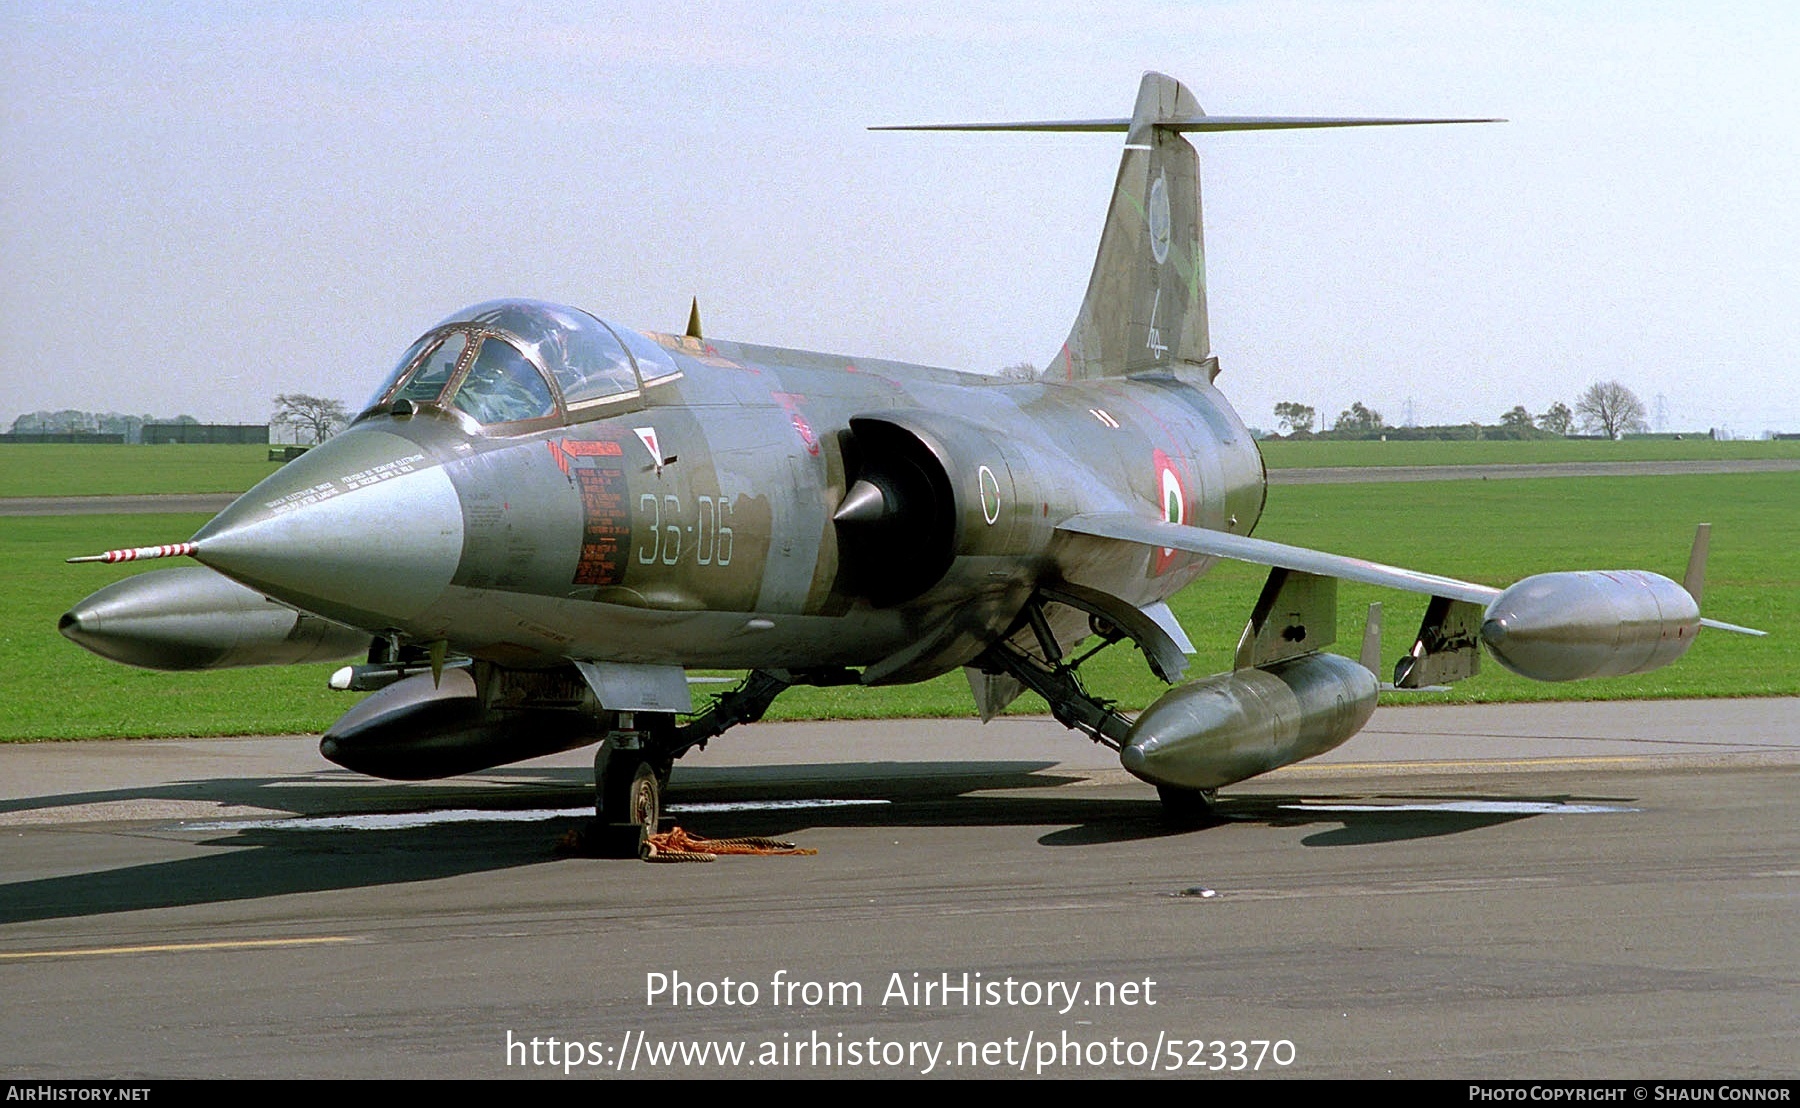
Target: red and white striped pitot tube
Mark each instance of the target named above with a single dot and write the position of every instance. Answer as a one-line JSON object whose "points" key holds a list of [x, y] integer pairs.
{"points": [[138, 553]]}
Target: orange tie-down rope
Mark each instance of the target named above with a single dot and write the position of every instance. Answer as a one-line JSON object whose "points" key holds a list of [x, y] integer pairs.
{"points": [[676, 845]]}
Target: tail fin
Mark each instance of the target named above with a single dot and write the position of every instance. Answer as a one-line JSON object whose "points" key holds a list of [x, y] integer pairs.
{"points": [[1146, 301]]}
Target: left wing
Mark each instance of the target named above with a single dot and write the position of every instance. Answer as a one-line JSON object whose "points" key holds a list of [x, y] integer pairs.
{"points": [[1549, 627], [1262, 552]]}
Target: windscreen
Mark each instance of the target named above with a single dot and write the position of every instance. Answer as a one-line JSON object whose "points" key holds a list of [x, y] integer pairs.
{"points": [[517, 361], [502, 386], [586, 360]]}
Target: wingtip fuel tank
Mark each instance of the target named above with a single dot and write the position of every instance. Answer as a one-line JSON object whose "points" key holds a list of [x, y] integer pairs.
{"points": [[1603, 623], [192, 618]]}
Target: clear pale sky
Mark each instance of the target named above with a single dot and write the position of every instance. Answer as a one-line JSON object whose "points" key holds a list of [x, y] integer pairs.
{"points": [[205, 204]]}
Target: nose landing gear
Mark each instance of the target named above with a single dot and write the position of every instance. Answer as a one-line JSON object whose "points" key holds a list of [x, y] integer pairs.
{"points": [[630, 773], [631, 769]]}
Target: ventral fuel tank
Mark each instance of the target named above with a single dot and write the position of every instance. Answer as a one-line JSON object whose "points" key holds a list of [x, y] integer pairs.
{"points": [[1232, 726], [418, 729]]}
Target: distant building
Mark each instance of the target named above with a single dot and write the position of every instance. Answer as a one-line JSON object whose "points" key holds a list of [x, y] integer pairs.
{"points": [[206, 433]]}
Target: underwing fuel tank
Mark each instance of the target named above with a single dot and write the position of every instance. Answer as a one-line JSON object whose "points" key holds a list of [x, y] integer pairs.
{"points": [[1232, 726], [1566, 626], [192, 618], [415, 730]]}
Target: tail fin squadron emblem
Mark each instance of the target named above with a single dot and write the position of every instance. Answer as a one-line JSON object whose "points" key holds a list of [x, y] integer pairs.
{"points": [[1158, 218]]}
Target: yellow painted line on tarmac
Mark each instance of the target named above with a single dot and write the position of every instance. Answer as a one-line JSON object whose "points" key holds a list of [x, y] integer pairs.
{"points": [[1484, 763], [163, 948]]}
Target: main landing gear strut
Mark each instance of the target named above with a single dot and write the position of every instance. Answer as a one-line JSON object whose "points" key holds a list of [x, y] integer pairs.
{"points": [[1058, 680]]}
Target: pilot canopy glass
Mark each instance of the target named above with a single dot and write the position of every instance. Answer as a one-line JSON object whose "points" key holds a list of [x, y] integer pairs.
{"points": [[524, 362]]}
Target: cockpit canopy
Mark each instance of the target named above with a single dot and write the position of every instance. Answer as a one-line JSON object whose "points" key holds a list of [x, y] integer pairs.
{"points": [[526, 362]]}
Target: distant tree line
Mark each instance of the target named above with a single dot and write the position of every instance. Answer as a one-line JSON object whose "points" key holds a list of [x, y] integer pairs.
{"points": [[314, 417], [72, 422], [1607, 409]]}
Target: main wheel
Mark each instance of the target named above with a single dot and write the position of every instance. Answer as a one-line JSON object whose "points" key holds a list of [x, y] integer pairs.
{"points": [[1191, 807]]}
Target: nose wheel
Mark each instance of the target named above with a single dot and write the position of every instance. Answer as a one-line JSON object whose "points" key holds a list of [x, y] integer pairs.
{"points": [[629, 778]]}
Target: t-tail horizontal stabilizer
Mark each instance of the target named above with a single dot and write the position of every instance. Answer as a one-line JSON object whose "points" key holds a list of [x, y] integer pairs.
{"points": [[1145, 308], [1198, 122]]}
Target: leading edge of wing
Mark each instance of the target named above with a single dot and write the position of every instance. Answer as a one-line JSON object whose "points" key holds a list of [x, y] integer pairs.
{"points": [[1262, 552]]}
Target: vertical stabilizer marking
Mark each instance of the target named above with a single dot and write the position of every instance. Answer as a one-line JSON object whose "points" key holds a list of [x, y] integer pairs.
{"points": [[1150, 251]]}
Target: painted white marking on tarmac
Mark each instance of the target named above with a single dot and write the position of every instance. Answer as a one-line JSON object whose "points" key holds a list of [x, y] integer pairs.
{"points": [[388, 821], [399, 821], [768, 805], [1477, 807]]}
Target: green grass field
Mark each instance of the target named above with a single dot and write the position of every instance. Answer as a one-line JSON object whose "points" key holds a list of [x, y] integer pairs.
{"points": [[1296, 455], [1493, 532], [57, 470], [54, 469], [55, 689]]}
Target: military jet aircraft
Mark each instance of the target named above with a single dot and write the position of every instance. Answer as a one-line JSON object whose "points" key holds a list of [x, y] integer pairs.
{"points": [[542, 520]]}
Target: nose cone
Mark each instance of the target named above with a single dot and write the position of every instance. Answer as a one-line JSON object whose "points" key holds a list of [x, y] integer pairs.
{"points": [[366, 529]]}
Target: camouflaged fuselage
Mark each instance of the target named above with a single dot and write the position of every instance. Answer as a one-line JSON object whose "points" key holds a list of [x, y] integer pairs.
{"points": [[693, 525]]}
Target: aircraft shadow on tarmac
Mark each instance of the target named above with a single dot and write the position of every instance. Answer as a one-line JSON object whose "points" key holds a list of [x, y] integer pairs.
{"points": [[264, 861]]}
